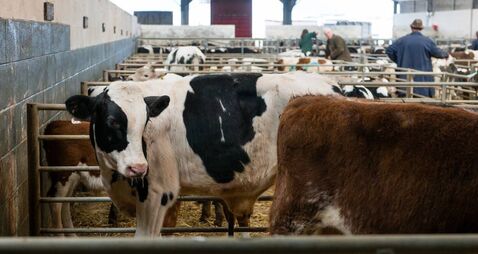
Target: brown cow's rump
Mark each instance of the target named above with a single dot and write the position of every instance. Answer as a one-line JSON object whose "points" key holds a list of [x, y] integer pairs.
{"points": [[373, 168]]}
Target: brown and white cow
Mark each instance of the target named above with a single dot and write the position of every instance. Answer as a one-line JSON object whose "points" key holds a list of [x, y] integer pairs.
{"points": [[203, 135], [315, 62], [68, 153], [357, 167]]}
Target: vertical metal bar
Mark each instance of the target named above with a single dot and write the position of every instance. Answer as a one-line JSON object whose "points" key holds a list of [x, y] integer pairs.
{"points": [[444, 92], [84, 88], [242, 47], [33, 172]]}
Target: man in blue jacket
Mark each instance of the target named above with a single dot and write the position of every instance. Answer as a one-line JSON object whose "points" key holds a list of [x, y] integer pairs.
{"points": [[474, 44], [415, 51]]}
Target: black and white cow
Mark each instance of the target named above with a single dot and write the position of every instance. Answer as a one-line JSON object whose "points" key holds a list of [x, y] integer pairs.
{"points": [[185, 55], [203, 135], [369, 93], [149, 49]]}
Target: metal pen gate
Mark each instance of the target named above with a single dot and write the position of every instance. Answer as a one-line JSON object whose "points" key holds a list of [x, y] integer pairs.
{"points": [[37, 198]]}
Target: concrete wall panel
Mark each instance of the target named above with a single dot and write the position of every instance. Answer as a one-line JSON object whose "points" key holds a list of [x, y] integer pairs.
{"points": [[451, 24], [3, 34], [39, 68], [71, 12]]}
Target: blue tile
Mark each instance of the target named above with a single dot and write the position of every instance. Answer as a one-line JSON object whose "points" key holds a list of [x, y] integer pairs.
{"points": [[20, 80], [41, 38], [7, 96], [18, 40], [3, 41], [38, 74]]}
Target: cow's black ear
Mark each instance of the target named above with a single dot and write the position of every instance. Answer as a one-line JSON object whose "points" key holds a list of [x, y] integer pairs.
{"points": [[156, 104], [80, 106]]}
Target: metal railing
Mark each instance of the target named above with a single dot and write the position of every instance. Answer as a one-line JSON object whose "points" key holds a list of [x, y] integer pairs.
{"points": [[369, 244], [37, 197]]}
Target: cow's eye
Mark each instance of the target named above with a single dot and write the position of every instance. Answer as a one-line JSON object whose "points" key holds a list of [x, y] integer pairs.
{"points": [[112, 123]]}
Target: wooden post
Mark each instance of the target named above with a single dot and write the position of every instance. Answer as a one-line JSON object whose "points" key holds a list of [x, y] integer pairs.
{"points": [[84, 88], [33, 128], [409, 88], [105, 75]]}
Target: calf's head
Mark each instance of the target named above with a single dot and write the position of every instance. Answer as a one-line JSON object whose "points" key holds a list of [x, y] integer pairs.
{"points": [[118, 117], [144, 73]]}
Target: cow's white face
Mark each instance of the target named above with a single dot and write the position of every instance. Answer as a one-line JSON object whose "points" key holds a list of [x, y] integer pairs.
{"points": [[142, 74], [118, 117]]}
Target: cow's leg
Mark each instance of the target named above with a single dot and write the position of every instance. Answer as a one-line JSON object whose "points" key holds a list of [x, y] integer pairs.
{"points": [[242, 208], [231, 220], [171, 216], [74, 180], [59, 190], [160, 190], [56, 190], [151, 210], [219, 213], [205, 210], [113, 215]]}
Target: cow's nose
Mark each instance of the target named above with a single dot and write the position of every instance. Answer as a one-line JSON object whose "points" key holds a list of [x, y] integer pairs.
{"points": [[138, 169]]}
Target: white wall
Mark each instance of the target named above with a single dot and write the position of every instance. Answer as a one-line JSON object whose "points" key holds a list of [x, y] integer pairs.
{"points": [[457, 24], [71, 12], [182, 32], [277, 32]]}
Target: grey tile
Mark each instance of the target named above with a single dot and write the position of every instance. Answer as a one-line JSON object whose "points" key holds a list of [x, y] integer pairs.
{"points": [[21, 158], [22, 209], [18, 40], [7, 177], [51, 70], [76, 61], [38, 74], [26, 33], [73, 86], [60, 37], [20, 80], [67, 44], [41, 38], [7, 139], [49, 97], [19, 130], [46, 41], [7, 96], [3, 34], [60, 68], [69, 63], [37, 45], [12, 38]]}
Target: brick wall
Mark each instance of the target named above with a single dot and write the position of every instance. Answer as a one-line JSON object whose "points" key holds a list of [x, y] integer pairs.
{"points": [[37, 65]]}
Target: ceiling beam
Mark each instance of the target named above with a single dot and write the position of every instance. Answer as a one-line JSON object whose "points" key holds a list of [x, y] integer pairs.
{"points": [[288, 5], [185, 12]]}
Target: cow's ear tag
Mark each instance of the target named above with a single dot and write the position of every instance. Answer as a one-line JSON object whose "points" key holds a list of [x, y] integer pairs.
{"points": [[156, 104]]}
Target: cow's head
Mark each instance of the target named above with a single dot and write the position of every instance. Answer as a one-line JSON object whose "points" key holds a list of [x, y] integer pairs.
{"points": [[118, 118], [146, 72]]}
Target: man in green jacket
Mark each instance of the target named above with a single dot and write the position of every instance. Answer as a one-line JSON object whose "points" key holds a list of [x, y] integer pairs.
{"points": [[336, 47], [305, 42]]}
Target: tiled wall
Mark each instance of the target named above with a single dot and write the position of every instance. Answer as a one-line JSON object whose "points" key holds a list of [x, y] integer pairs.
{"points": [[37, 65]]}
